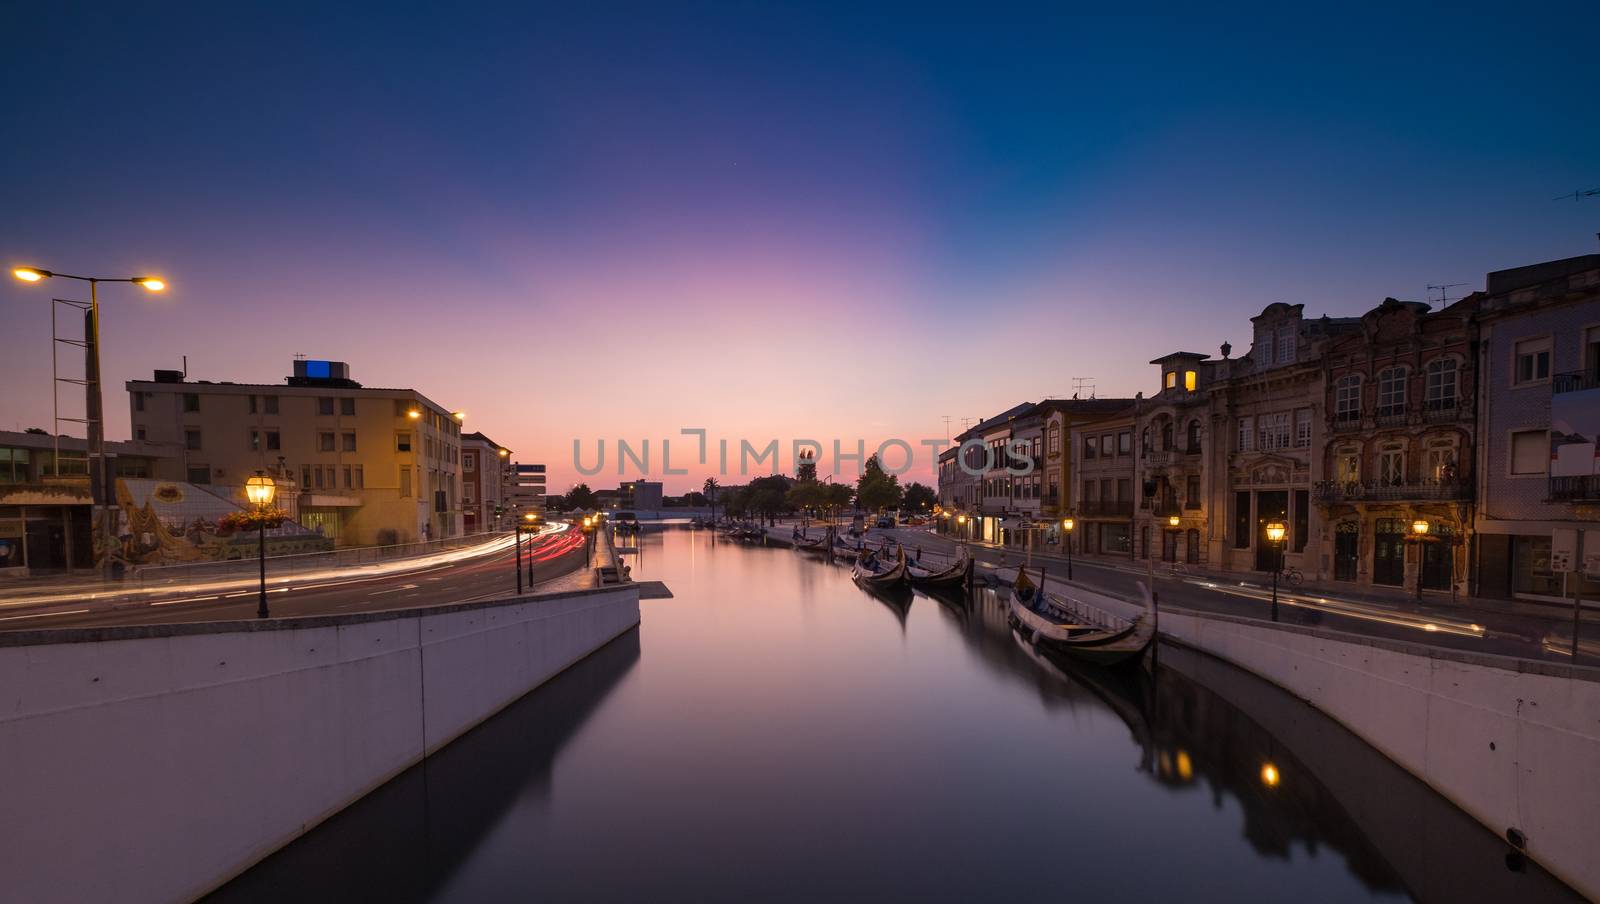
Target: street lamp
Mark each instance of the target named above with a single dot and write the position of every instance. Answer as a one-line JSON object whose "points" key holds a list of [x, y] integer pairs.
{"points": [[93, 402], [1419, 531], [1276, 530], [259, 490], [1067, 524], [527, 519]]}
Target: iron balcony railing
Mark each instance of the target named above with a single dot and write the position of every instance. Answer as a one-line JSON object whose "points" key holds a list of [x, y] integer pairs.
{"points": [[1347, 420], [1575, 489], [1576, 381], [1442, 409], [1390, 416], [1379, 491]]}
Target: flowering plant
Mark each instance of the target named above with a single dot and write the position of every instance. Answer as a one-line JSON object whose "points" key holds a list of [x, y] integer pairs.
{"points": [[250, 519]]}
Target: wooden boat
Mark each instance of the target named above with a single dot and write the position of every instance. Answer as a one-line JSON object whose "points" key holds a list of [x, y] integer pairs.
{"points": [[872, 571], [820, 544], [958, 574], [1045, 623]]}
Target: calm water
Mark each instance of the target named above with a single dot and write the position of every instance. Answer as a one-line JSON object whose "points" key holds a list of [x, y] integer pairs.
{"points": [[774, 733]]}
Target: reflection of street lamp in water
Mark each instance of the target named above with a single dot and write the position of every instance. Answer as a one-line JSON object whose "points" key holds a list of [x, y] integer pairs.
{"points": [[260, 489], [1276, 531]]}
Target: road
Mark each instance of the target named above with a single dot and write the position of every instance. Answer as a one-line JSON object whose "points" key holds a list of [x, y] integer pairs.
{"points": [[1456, 627], [555, 557]]}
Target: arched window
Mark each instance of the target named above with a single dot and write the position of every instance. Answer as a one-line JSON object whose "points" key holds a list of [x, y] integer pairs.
{"points": [[1439, 393], [1166, 436], [1392, 392], [1194, 435], [1144, 440]]}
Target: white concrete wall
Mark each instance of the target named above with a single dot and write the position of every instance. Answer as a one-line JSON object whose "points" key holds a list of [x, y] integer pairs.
{"points": [[155, 763], [1437, 712]]}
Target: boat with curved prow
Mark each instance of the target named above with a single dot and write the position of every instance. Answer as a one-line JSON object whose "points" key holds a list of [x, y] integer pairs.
{"points": [[958, 574], [870, 570], [1054, 626]]}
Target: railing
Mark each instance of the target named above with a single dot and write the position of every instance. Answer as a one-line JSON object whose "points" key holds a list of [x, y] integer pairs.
{"points": [[1576, 381], [1348, 420], [1119, 507], [1441, 410], [1377, 491], [277, 566], [1392, 416], [1575, 489], [1158, 459]]}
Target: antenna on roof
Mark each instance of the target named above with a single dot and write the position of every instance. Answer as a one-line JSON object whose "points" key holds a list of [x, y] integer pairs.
{"points": [[1079, 384], [1579, 195], [946, 419], [1444, 293]]}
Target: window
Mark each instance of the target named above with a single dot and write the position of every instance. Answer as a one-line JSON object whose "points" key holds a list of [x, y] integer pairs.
{"points": [[469, 493], [1125, 442], [191, 401], [138, 433], [1347, 465], [1172, 379], [1108, 445], [1392, 464], [1532, 362], [401, 407], [1124, 489], [348, 442], [1190, 380], [1530, 452], [1055, 441], [255, 441], [402, 442], [305, 477], [405, 481], [1166, 437], [317, 474], [252, 404], [138, 401], [325, 405], [1088, 447], [1347, 398], [1302, 519], [324, 442], [1264, 342], [1440, 390], [333, 478], [469, 461], [1194, 436], [349, 481], [1247, 428], [271, 404], [1286, 340], [1144, 441], [1241, 520], [1302, 428], [199, 474], [1191, 492], [1274, 431], [361, 480], [347, 407], [273, 442], [1440, 459], [1392, 391], [191, 439]]}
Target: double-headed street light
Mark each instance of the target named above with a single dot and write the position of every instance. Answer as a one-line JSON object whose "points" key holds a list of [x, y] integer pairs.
{"points": [[260, 489], [1276, 531], [93, 416], [528, 519]]}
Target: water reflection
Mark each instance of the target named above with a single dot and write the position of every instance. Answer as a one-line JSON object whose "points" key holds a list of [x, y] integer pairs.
{"points": [[782, 740]]}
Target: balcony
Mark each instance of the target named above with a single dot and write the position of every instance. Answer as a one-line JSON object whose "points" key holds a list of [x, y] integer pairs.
{"points": [[1576, 381], [1346, 420], [1334, 491], [1159, 459], [1120, 508], [1439, 410], [1575, 489], [1390, 416]]}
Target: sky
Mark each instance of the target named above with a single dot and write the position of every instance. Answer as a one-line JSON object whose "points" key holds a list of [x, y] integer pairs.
{"points": [[770, 221]]}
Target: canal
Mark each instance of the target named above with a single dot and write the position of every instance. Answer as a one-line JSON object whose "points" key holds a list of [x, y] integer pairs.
{"points": [[775, 733]]}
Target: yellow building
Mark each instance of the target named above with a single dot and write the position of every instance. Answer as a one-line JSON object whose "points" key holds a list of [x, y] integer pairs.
{"points": [[363, 466]]}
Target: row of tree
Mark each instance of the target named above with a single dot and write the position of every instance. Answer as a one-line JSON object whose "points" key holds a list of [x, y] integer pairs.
{"points": [[876, 490]]}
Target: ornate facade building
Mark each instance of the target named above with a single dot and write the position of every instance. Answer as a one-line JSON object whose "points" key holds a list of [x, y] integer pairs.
{"points": [[1399, 405]]}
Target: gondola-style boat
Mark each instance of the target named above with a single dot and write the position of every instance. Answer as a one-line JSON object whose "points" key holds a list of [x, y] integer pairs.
{"points": [[808, 544], [872, 571], [1045, 623], [958, 574]]}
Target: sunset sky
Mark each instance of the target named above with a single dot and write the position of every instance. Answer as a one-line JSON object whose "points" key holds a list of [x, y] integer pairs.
{"points": [[588, 220]]}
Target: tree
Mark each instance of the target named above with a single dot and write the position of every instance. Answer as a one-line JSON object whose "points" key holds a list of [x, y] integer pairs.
{"points": [[711, 489], [769, 495], [805, 494], [694, 499], [735, 500], [920, 497], [582, 497], [806, 469], [836, 496], [877, 489]]}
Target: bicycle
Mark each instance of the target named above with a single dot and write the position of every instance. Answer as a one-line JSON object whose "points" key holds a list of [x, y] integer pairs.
{"points": [[1291, 576]]}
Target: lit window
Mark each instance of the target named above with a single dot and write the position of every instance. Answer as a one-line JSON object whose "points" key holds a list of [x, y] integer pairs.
{"points": [[1172, 379], [1189, 380]]}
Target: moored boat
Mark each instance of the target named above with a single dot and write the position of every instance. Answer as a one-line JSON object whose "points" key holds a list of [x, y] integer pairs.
{"points": [[1047, 623], [958, 574], [871, 570]]}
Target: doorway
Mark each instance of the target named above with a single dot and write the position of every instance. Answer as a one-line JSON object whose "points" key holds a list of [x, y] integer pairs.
{"points": [[1346, 550], [1438, 560], [1389, 552], [1270, 506]]}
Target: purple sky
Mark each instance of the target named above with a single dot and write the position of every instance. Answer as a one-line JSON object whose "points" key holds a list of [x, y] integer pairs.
{"points": [[764, 221]]}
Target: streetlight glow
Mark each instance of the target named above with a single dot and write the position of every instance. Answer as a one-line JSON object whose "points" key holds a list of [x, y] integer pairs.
{"points": [[1172, 520], [1067, 524], [151, 283], [1419, 527], [1269, 775], [29, 274], [1276, 530], [260, 489]]}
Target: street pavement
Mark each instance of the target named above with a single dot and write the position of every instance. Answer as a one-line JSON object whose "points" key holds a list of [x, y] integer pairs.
{"points": [[557, 561], [1506, 632]]}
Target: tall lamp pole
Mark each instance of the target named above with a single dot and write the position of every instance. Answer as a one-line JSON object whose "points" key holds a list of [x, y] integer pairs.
{"points": [[532, 520], [260, 489], [1276, 531], [94, 419], [1419, 530], [1067, 524]]}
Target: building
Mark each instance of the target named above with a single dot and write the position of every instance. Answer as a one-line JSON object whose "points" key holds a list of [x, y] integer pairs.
{"points": [[524, 489], [643, 495], [46, 513], [483, 479], [1175, 426], [363, 465], [1538, 414], [1101, 480], [1397, 446]]}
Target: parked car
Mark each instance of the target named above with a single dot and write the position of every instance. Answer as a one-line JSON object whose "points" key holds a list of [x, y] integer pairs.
{"points": [[884, 521]]}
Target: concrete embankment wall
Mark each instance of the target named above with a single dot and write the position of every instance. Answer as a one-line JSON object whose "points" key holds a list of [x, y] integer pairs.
{"points": [[154, 763], [1514, 743]]}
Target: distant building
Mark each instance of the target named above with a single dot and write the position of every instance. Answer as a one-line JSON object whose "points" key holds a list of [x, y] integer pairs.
{"points": [[644, 495], [1539, 413], [366, 466], [483, 479], [524, 488]]}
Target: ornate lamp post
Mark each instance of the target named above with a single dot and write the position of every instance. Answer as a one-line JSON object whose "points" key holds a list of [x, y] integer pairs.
{"points": [[260, 489], [93, 416], [1419, 532], [1276, 531], [1067, 524]]}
